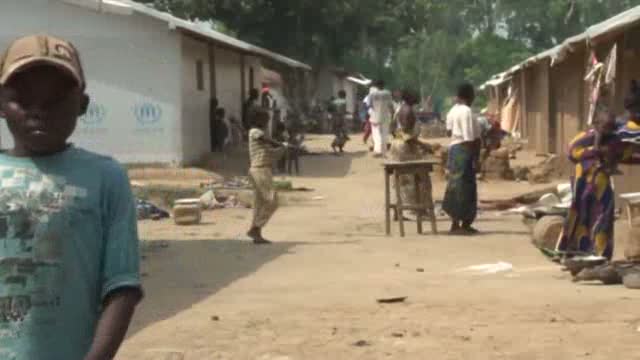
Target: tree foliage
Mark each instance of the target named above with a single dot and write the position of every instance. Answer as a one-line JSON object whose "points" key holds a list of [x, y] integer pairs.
{"points": [[427, 45]]}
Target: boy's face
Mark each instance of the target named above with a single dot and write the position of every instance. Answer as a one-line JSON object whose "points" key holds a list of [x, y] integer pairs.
{"points": [[41, 106]]}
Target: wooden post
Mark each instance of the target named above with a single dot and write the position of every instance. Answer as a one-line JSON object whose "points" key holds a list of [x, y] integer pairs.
{"points": [[243, 90], [430, 205], [524, 132], [399, 202], [421, 202], [387, 202], [213, 90]]}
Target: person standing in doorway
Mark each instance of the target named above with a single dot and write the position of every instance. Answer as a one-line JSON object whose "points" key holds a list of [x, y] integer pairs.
{"points": [[249, 107], [382, 113], [461, 196]]}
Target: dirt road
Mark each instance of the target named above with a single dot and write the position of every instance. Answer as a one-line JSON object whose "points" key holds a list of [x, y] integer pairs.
{"points": [[313, 294]]}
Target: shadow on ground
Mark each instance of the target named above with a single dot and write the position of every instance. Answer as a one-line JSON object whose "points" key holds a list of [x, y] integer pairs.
{"points": [[325, 165], [179, 274]]}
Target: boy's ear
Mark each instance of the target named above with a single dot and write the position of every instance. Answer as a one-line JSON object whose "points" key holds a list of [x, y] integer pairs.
{"points": [[84, 104], [4, 98]]}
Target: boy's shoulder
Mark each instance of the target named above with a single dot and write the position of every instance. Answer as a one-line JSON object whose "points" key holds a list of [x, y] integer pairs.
{"points": [[102, 165], [99, 160], [255, 133]]}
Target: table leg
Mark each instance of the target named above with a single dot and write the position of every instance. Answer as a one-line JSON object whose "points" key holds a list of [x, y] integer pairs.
{"points": [[399, 203], [431, 207], [419, 201], [387, 203]]}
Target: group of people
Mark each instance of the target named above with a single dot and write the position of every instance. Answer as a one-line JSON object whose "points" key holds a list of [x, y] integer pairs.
{"points": [[397, 120]]}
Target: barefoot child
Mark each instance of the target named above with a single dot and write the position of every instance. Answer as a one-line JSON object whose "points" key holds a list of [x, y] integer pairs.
{"points": [[263, 152], [68, 234], [339, 114]]}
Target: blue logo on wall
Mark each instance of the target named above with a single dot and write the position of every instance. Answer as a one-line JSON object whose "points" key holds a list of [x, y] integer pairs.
{"points": [[147, 113], [95, 115]]}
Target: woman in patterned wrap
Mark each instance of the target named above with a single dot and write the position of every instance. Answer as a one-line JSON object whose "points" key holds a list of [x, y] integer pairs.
{"points": [[588, 228]]}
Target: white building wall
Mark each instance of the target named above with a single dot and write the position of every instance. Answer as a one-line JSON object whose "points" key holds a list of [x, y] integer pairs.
{"points": [[351, 90], [196, 137], [256, 64], [132, 65], [228, 81], [326, 87]]}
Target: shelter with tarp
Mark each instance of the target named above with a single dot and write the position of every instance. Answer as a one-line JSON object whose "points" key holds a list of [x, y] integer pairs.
{"points": [[552, 93], [549, 92]]}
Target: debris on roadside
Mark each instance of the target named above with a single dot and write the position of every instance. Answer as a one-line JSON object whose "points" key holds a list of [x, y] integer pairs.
{"points": [[211, 201], [487, 269], [394, 300], [609, 273], [146, 210], [552, 167], [361, 343]]}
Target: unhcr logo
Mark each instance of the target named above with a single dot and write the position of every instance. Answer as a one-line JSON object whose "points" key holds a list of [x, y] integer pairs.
{"points": [[95, 114], [147, 113]]}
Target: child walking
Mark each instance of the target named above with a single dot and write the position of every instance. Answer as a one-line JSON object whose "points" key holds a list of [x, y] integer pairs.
{"points": [[68, 233], [263, 152]]}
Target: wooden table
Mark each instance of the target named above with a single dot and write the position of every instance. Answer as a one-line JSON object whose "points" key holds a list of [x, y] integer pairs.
{"points": [[632, 206], [415, 168]]}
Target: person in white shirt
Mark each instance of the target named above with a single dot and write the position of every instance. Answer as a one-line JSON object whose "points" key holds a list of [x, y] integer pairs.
{"points": [[461, 197], [381, 116], [367, 105]]}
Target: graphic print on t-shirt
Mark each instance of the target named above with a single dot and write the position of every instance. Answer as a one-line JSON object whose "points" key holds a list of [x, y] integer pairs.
{"points": [[34, 221]]}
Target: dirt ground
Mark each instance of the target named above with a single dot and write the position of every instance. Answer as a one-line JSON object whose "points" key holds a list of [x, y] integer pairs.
{"points": [[312, 295]]}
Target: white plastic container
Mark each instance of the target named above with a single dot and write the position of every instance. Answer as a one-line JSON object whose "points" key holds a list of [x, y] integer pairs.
{"points": [[187, 212]]}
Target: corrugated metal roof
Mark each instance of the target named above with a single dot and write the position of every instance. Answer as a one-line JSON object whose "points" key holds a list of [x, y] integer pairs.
{"points": [[128, 7], [496, 80], [559, 53], [359, 81]]}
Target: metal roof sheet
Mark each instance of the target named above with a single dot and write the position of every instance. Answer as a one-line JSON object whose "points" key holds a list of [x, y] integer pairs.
{"points": [[128, 7], [359, 81]]}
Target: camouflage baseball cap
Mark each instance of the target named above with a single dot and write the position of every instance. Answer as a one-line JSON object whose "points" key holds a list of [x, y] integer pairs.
{"points": [[34, 50]]}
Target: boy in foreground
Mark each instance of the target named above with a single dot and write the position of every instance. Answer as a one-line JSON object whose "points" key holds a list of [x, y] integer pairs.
{"points": [[263, 152], [68, 234]]}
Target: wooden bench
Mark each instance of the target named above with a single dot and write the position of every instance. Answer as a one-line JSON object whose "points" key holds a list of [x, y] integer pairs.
{"points": [[415, 168]]}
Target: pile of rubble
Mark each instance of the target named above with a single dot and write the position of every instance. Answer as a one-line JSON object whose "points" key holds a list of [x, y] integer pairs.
{"points": [[553, 167], [497, 166], [545, 217]]}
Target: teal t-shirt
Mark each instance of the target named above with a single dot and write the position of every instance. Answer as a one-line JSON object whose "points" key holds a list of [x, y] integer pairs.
{"points": [[68, 237]]}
